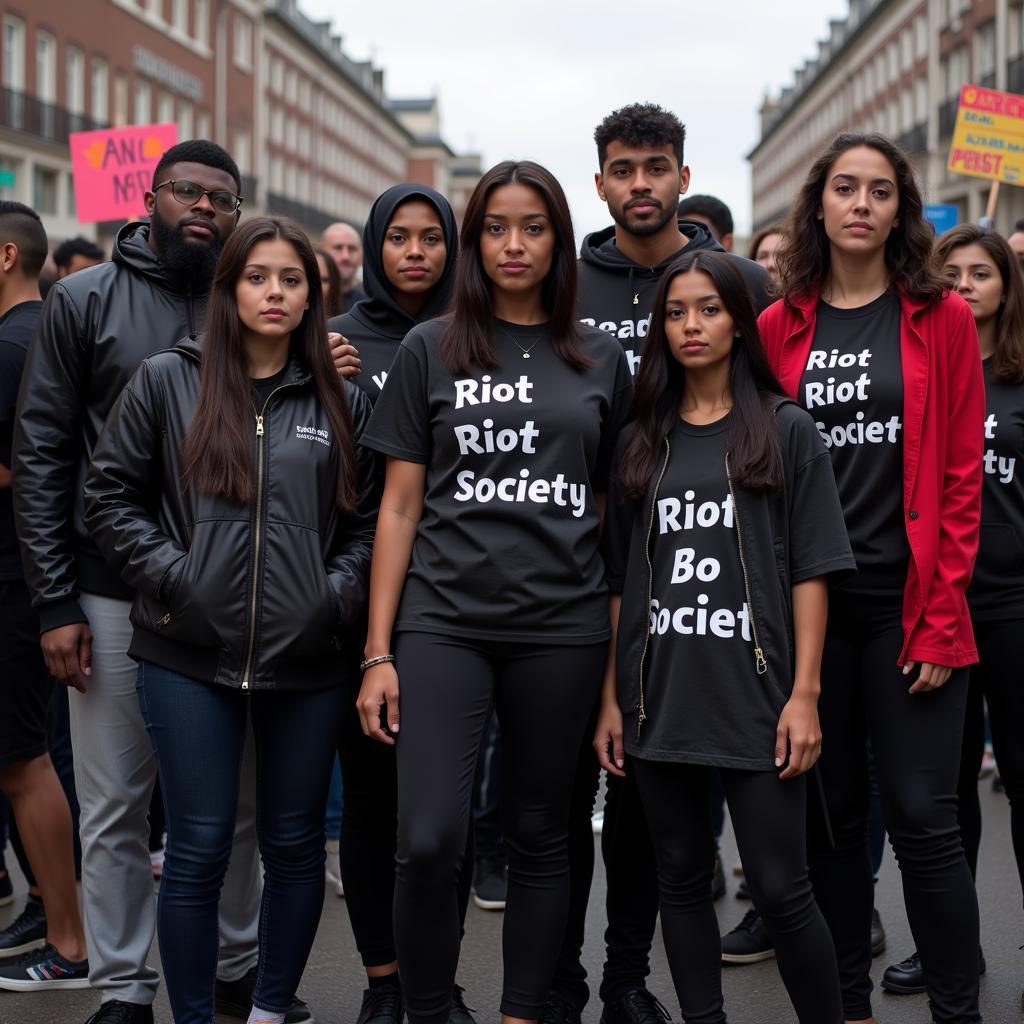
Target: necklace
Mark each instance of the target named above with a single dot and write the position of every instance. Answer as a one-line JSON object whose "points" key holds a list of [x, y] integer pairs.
{"points": [[526, 351]]}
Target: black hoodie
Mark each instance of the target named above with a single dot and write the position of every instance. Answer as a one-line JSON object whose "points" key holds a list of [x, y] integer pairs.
{"points": [[616, 294], [377, 325], [95, 329]]}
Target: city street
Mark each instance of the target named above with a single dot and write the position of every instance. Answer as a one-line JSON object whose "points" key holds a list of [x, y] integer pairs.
{"points": [[754, 995]]}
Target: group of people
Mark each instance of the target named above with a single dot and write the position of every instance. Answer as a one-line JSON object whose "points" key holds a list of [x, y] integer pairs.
{"points": [[704, 523]]}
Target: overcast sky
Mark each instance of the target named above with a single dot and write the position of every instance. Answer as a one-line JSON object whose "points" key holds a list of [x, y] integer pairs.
{"points": [[530, 80]]}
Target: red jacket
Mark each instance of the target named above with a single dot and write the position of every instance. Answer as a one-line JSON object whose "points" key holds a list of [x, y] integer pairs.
{"points": [[943, 428]]}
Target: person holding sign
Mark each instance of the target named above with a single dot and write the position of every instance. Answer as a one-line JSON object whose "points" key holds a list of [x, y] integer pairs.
{"points": [[885, 359], [723, 522], [227, 491], [487, 583]]}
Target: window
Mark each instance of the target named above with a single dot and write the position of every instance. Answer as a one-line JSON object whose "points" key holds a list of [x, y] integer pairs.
{"points": [[906, 110], [203, 124], [179, 15], [243, 42], [120, 99], [276, 174], [165, 108], [304, 94], [201, 29], [44, 190], [9, 171], [906, 49], [276, 75], [142, 110], [921, 37], [74, 85], [984, 50], [100, 90], [46, 67], [956, 71], [291, 86], [921, 100], [14, 53], [242, 151], [185, 121], [69, 191], [893, 56]]}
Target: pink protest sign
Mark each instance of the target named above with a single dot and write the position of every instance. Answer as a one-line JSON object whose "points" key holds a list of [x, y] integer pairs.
{"points": [[113, 169]]}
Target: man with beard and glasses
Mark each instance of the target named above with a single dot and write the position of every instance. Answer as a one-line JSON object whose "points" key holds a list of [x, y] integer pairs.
{"points": [[641, 177], [95, 329]]}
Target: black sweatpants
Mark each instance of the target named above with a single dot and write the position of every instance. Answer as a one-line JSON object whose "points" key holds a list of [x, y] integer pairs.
{"points": [[543, 696], [997, 680], [769, 817], [915, 740], [369, 838]]}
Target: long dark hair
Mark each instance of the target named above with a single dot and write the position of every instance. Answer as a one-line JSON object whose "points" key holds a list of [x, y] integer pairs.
{"points": [[805, 258], [1008, 357], [335, 304], [468, 340], [752, 437], [217, 447]]}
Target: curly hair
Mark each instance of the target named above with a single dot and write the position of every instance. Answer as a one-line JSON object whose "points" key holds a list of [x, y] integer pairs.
{"points": [[640, 124], [804, 258]]}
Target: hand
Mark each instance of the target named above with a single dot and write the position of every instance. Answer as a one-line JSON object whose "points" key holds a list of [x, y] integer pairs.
{"points": [[931, 677], [799, 734], [345, 356], [608, 739], [67, 651], [380, 688]]}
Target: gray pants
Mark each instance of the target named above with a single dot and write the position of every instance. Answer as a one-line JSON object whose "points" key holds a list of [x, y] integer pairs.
{"points": [[114, 772]]}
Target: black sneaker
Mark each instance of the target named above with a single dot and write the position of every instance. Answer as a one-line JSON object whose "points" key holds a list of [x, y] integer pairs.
{"points": [[635, 1006], [490, 886], [117, 1012], [877, 933], [905, 978], [382, 1004], [43, 969], [749, 942], [234, 999], [6, 890], [460, 1013], [718, 879], [560, 1011], [26, 932]]}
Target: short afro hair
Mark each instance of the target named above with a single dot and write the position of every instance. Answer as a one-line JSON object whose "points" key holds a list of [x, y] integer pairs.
{"points": [[72, 247], [199, 151], [20, 224], [710, 207], [640, 124]]}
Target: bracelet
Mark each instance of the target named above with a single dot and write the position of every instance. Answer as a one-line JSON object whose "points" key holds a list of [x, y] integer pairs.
{"points": [[370, 662]]}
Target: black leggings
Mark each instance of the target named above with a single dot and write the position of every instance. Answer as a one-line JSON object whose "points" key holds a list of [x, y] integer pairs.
{"points": [[369, 834], [995, 680], [543, 696], [770, 818], [915, 740]]}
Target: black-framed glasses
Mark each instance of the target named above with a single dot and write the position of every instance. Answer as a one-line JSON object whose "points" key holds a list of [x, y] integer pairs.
{"points": [[188, 193]]}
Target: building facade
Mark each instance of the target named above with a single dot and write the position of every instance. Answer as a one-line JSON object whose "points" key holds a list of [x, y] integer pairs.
{"points": [[311, 129], [897, 67]]}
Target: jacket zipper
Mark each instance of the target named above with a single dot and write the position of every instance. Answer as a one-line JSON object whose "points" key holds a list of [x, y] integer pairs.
{"points": [[258, 536], [642, 713], [759, 658]]}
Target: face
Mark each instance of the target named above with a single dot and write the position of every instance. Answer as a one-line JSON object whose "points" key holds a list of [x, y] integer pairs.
{"points": [[414, 251], [641, 186], [325, 280], [343, 244], [273, 291], [974, 274], [197, 224], [1016, 241], [860, 202], [765, 256], [698, 328], [517, 245], [78, 262]]}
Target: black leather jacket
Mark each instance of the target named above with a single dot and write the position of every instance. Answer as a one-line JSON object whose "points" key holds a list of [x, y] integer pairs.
{"points": [[95, 329], [257, 596]]}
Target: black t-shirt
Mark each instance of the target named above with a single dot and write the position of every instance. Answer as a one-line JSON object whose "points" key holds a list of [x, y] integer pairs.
{"points": [[16, 327], [376, 354], [264, 386], [853, 387], [704, 701], [507, 545], [997, 590]]}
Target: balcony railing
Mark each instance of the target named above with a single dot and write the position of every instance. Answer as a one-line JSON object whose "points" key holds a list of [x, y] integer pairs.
{"points": [[915, 140], [308, 216], [947, 117], [21, 112]]}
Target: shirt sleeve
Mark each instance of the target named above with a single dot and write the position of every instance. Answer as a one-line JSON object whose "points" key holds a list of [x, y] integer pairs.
{"points": [[618, 416], [400, 422]]}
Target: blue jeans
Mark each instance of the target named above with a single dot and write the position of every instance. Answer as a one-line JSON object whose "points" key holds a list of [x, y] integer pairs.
{"points": [[198, 731]]}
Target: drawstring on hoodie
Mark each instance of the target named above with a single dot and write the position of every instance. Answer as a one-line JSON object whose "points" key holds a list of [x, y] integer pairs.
{"points": [[636, 294]]}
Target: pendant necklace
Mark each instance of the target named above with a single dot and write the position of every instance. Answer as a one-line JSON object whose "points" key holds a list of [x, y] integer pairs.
{"points": [[526, 351]]}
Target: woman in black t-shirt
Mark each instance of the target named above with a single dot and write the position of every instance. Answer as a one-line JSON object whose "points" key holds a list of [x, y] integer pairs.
{"points": [[498, 422], [723, 522]]}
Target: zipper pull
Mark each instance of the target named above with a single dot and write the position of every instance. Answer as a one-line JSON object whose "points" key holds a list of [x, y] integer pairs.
{"points": [[245, 684], [762, 665], [259, 426], [636, 298], [165, 619]]}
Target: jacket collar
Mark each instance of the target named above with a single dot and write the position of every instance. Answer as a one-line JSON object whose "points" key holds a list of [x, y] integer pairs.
{"points": [[806, 303]]}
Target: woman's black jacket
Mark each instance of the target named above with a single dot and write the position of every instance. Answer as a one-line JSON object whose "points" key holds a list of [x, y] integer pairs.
{"points": [[266, 595], [785, 537]]}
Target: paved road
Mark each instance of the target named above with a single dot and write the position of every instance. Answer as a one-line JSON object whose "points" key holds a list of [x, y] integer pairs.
{"points": [[332, 984]]}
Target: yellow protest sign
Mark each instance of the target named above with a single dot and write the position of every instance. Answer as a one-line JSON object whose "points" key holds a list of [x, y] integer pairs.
{"points": [[988, 141]]}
